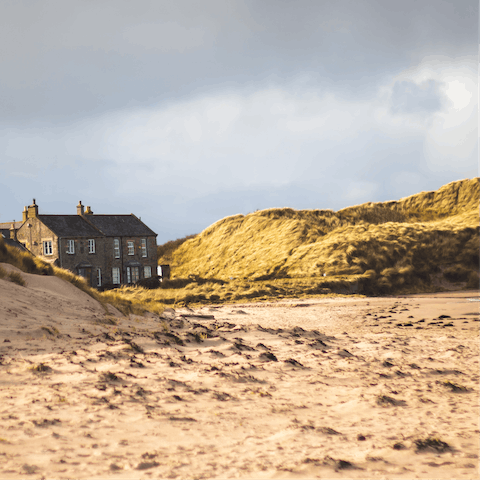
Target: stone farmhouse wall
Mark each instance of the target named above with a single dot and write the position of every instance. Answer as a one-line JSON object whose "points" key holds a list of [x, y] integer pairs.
{"points": [[125, 260], [33, 233]]}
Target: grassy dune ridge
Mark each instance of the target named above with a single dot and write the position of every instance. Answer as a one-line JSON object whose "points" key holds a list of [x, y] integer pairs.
{"points": [[27, 263], [423, 243], [395, 246]]}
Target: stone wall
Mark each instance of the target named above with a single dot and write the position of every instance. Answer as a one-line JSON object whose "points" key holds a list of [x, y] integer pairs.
{"points": [[125, 259], [104, 257], [82, 258], [33, 233]]}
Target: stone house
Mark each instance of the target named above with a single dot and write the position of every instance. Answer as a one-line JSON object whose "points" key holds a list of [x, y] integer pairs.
{"points": [[107, 250]]}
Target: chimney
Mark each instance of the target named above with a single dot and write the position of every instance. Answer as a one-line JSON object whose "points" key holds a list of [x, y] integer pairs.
{"points": [[32, 211], [79, 208], [24, 214], [13, 232], [88, 211]]}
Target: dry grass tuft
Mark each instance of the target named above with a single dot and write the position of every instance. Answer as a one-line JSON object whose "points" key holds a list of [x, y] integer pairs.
{"points": [[14, 277], [42, 368], [51, 330], [109, 377], [455, 387], [432, 444], [106, 320], [385, 400]]}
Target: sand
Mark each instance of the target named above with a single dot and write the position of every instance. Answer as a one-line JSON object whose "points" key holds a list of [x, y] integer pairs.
{"points": [[321, 388]]}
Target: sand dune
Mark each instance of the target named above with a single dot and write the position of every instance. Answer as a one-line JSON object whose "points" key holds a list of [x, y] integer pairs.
{"points": [[320, 388]]}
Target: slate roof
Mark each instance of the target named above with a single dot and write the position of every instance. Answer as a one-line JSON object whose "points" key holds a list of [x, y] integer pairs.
{"points": [[96, 225], [5, 234], [69, 226], [119, 225], [7, 225]]}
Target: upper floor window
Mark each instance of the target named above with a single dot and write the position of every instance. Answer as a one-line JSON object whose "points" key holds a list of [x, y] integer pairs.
{"points": [[71, 247], [116, 247], [144, 247], [91, 246], [47, 248], [131, 247]]}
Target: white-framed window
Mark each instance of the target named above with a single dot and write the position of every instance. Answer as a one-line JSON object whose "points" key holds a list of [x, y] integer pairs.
{"points": [[99, 277], [91, 245], [71, 247], [131, 247], [147, 272], [116, 248], [47, 247], [116, 276], [144, 247], [129, 275]]}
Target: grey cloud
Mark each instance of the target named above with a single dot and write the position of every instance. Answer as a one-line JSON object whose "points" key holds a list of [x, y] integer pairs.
{"points": [[64, 60], [409, 97]]}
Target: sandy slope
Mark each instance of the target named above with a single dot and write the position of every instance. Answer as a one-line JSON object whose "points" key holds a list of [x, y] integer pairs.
{"points": [[325, 388]]}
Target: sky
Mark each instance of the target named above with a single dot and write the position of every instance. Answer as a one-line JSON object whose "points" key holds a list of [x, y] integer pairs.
{"points": [[186, 112]]}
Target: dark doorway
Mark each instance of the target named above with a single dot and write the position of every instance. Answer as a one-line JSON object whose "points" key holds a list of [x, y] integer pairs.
{"points": [[86, 273]]}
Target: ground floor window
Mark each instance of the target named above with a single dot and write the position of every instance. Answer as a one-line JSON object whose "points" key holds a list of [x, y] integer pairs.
{"points": [[133, 275], [147, 272], [99, 277], [116, 276]]}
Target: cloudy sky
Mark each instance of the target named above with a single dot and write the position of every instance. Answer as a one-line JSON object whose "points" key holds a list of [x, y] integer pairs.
{"points": [[189, 111]]}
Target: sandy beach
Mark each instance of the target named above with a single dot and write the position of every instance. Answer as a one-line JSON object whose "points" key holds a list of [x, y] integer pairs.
{"points": [[346, 387]]}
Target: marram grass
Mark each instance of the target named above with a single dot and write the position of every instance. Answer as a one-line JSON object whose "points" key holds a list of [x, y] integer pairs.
{"points": [[400, 246]]}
